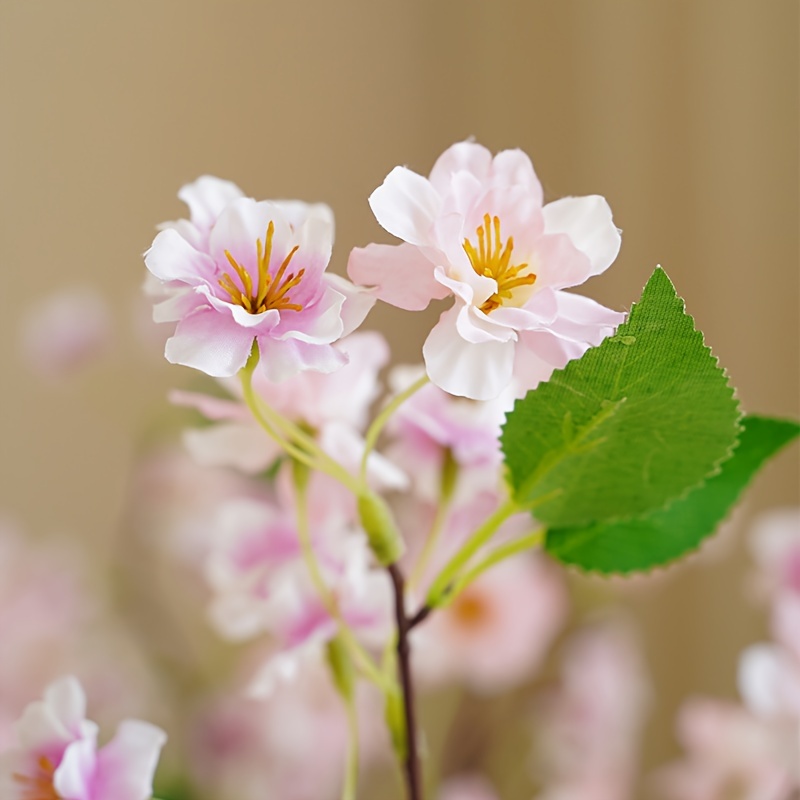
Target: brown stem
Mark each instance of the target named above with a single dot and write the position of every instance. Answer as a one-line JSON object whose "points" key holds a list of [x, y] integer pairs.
{"points": [[420, 616], [412, 766]]}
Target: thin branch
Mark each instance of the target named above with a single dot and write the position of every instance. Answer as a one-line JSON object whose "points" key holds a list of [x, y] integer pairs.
{"points": [[411, 766]]}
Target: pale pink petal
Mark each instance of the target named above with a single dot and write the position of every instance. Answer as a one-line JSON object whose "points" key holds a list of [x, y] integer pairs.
{"points": [[172, 258], [558, 263], [284, 359], [358, 302], [478, 371], [213, 408], [74, 778], [321, 324], [296, 212], [208, 341], [125, 766], [207, 198], [589, 224], [468, 157], [237, 445], [582, 319], [402, 275], [406, 204], [68, 701], [476, 327], [514, 168], [178, 305]]}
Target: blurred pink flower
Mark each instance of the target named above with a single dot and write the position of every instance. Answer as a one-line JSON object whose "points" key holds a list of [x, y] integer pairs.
{"points": [[496, 632], [477, 229], [57, 755], [65, 332], [731, 750], [333, 405], [433, 425], [242, 273], [251, 750], [588, 737], [467, 787], [262, 585]]}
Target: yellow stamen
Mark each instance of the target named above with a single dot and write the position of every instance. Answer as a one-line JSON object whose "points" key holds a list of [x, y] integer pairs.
{"points": [[271, 291], [492, 260], [39, 787]]}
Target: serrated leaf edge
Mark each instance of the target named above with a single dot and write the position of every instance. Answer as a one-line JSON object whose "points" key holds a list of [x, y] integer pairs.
{"points": [[717, 465], [665, 566]]}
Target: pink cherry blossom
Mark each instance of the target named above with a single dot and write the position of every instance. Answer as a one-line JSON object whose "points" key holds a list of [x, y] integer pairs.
{"points": [[261, 583], [57, 756], [242, 273], [497, 631], [730, 749], [588, 736], [477, 229], [254, 749], [65, 332]]}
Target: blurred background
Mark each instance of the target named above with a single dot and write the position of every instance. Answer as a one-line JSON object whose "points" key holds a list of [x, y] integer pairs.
{"points": [[683, 114]]}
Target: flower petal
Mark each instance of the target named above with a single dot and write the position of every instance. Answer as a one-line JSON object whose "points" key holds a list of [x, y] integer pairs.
{"points": [[172, 258], [125, 766], [514, 168], [478, 371], [406, 204], [358, 301], [281, 359], [238, 445], [210, 342], [207, 198], [402, 275], [582, 319], [468, 157], [74, 778], [589, 224]]}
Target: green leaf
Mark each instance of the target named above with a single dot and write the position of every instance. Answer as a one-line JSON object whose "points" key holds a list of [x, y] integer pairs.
{"points": [[634, 423], [643, 542]]}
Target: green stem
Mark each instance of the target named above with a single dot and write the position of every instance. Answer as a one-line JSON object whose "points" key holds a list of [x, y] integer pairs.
{"points": [[478, 539], [351, 770], [359, 655], [380, 421], [296, 442], [528, 542]]}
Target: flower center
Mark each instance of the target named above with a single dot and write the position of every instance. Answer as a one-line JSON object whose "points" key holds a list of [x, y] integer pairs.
{"points": [[492, 260], [39, 786], [270, 291], [471, 609]]}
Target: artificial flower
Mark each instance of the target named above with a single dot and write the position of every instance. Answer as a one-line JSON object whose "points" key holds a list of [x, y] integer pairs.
{"points": [[57, 756], [477, 229], [243, 273]]}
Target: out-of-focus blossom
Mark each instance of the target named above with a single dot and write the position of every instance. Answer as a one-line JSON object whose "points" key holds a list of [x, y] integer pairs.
{"points": [[65, 332], [50, 623], [242, 273], [775, 544], [477, 229], [465, 787], [334, 406], [496, 632], [731, 752], [433, 426], [262, 585], [57, 757], [255, 749], [588, 735], [752, 749]]}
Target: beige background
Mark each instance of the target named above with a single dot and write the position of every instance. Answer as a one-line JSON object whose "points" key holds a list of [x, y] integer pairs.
{"points": [[684, 114]]}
